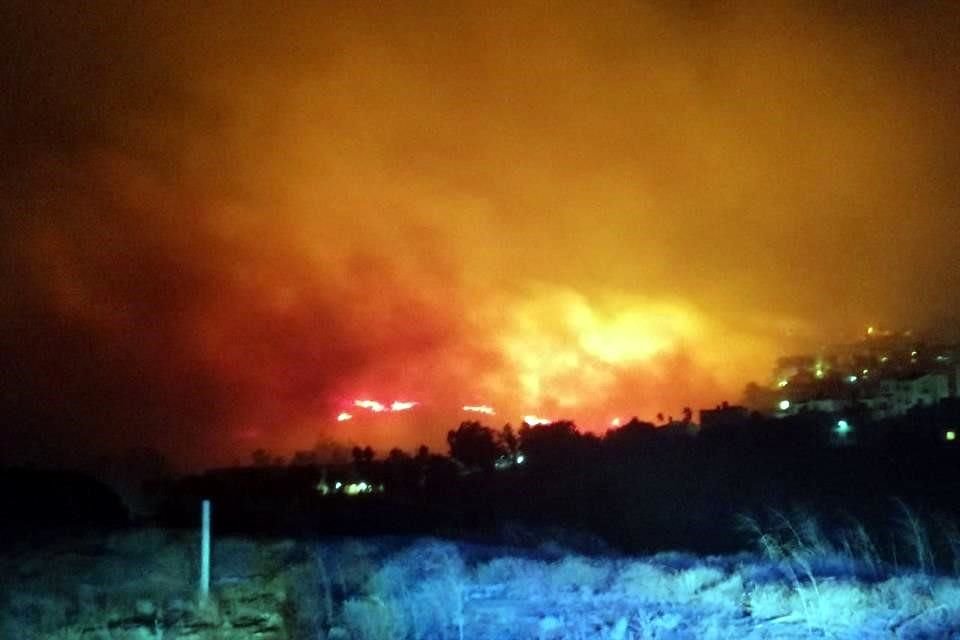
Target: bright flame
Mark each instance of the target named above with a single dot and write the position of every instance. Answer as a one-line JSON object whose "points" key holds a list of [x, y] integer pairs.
{"points": [[379, 407], [568, 351], [534, 421], [479, 408], [372, 405], [344, 416], [615, 422]]}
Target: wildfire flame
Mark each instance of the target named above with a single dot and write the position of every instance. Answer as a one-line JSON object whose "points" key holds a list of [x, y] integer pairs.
{"points": [[379, 407], [479, 408], [344, 416], [615, 422], [534, 421], [372, 405]]}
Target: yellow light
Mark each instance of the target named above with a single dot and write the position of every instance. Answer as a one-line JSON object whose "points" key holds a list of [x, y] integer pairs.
{"points": [[870, 331], [783, 383]]}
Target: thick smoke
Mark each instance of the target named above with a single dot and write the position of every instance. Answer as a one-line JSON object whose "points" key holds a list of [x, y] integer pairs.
{"points": [[222, 226]]}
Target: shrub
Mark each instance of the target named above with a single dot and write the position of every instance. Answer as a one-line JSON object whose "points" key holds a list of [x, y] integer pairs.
{"points": [[427, 582], [771, 600], [575, 572], [374, 619]]}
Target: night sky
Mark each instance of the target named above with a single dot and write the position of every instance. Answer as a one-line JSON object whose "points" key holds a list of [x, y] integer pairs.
{"points": [[223, 222]]}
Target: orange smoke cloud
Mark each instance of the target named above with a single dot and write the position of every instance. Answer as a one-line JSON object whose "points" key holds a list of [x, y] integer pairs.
{"points": [[222, 238]]}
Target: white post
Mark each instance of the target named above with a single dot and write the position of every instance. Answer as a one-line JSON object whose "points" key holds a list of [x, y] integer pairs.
{"points": [[205, 551]]}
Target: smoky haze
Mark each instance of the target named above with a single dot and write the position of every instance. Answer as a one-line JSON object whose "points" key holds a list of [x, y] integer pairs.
{"points": [[222, 226]]}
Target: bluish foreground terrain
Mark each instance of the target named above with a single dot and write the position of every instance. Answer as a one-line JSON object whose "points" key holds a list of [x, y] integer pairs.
{"points": [[142, 584]]}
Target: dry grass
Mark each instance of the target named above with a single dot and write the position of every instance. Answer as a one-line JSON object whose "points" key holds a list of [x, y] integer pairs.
{"points": [[429, 589]]}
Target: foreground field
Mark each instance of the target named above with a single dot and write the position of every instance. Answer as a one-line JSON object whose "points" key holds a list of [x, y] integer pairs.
{"points": [[141, 585]]}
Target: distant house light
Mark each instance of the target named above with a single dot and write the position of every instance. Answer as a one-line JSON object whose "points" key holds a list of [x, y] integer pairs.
{"points": [[951, 435], [843, 427], [520, 458], [851, 379], [783, 383], [784, 405], [356, 488]]}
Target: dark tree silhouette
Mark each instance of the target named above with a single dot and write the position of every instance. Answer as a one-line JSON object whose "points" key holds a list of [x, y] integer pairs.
{"points": [[304, 459], [261, 458], [508, 440], [364, 455], [631, 436], [423, 453], [475, 446], [559, 443]]}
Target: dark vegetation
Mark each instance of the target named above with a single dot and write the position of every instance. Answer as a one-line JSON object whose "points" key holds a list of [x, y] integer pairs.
{"points": [[639, 488], [857, 534]]}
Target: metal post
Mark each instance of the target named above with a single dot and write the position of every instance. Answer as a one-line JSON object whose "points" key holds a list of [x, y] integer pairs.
{"points": [[205, 550]]}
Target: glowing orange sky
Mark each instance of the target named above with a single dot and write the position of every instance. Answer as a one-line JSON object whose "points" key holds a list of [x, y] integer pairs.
{"points": [[224, 227]]}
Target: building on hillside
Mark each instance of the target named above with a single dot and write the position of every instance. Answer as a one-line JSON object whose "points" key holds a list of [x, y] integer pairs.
{"points": [[823, 405], [897, 395]]}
